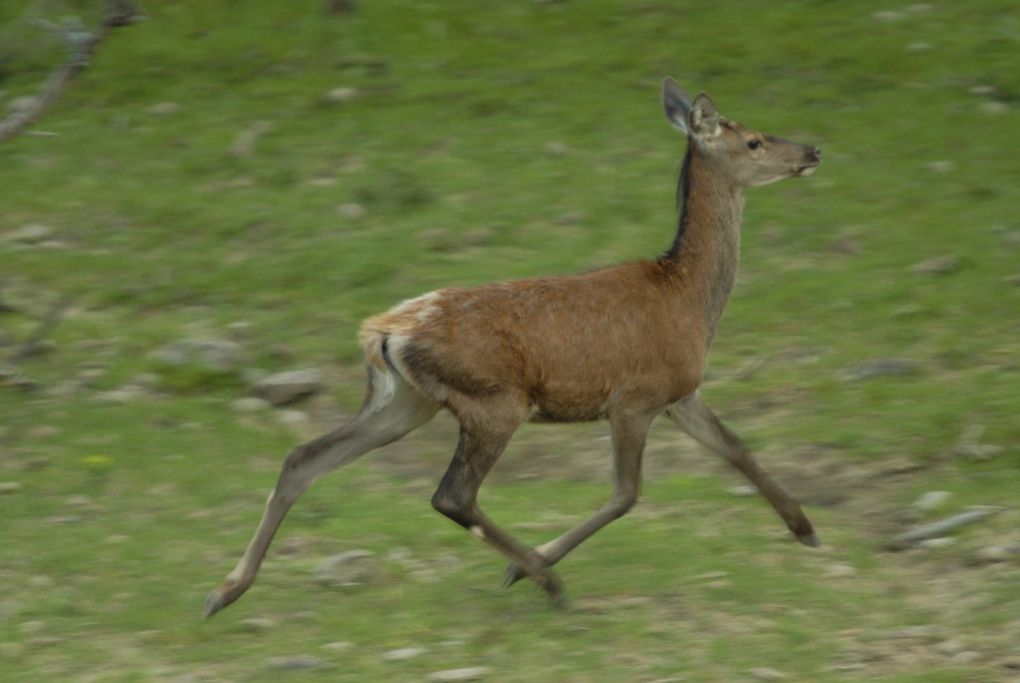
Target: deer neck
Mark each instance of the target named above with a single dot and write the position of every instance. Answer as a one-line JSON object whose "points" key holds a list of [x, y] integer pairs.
{"points": [[706, 251]]}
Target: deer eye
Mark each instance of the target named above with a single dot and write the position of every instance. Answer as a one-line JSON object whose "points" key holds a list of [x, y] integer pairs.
{"points": [[754, 144]]}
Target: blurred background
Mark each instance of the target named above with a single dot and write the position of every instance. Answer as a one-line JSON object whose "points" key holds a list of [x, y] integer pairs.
{"points": [[223, 190]]}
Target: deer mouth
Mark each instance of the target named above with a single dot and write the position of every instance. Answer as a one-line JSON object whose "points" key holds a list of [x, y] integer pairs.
{"points": [[806, 170]]}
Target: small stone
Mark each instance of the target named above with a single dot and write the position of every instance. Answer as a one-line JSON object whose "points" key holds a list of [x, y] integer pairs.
{"points": [[258, 624], [403, 653], [164, 109], [837, 571], [471, 673], [251, 404], [887, 15], [349, 568], [30, 234], [992, 554], [292, 418], [941, 542], [7, 487], [212, 354], [341, 95], [338, 646], [555, 148], [764, 673], [932, 500], [287, 387], [950, 647], [994, 107], [942, 166], [298, 663], [352, 210], [940, 265], [921, 7], [982, 90], [744, 490]]}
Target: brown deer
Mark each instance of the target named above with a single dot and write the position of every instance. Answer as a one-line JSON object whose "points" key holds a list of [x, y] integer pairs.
{"points": [[625, 344]]}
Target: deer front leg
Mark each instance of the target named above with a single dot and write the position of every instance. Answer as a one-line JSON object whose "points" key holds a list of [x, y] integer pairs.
{"points": [[693, 416], [629, 434]]}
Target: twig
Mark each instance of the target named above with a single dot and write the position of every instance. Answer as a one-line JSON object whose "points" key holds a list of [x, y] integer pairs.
{"points": [[45, 327], [82, 46], [940, 528]]}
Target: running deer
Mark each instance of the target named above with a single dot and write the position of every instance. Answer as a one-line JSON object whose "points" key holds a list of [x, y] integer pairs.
{"points": [[625, 344]]}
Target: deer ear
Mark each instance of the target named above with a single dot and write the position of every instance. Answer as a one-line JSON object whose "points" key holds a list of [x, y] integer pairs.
{"points": [[676, 103], [704, 118]]}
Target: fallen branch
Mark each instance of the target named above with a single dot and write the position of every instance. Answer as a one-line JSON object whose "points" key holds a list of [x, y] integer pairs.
{"points": [[82, 46], [940, 528]]}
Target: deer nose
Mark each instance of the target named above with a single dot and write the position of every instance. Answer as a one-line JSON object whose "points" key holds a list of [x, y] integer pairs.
{"points": [[816, 153]]}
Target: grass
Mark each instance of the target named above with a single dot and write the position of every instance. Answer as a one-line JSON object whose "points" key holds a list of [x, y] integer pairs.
{"points": [[489, 141]]}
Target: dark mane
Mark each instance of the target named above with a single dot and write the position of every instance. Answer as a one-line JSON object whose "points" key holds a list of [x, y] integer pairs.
{"points": [[683, 188]]}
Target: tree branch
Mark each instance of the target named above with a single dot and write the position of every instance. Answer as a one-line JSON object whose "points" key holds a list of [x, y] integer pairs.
{"points": [[82, 45]]}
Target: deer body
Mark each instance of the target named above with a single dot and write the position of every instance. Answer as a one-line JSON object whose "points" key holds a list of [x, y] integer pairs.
{"points": [[626, 344]]}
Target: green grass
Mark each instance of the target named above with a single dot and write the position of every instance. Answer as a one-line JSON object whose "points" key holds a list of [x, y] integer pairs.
{"points": [[490, 141]]}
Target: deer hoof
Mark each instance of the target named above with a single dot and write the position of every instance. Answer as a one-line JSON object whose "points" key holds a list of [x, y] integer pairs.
{"points": [[224, 595], [513, 575], [810, 540]]}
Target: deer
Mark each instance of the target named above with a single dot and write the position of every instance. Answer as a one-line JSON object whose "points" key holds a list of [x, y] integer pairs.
{"points": [[625, 344]]}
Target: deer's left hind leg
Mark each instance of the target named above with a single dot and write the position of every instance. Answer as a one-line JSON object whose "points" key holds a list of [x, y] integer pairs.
{"points": [[629, 435], [693, 416], [392, 409], [457, 498]]}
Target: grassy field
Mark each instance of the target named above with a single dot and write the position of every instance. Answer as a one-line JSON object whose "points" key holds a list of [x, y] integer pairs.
{"points": [[269, 173]]}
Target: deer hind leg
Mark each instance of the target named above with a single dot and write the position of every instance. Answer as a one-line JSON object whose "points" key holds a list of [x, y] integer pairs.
{"points": [[392, 409], [629, 435], [457, 498], [697, 419]]}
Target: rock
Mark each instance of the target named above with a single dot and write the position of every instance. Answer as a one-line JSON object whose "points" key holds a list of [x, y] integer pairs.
{"points": [[882, 367], [7, 487], [942, 166], [744, 490], [250, 404], [887, 15], [764, 673], [555, 149], [838, 570], [349, 568], [211, 354], [940, 265], [341, 95], [292, 418], [352, 210], [950, 647], [982, 90], [403, 653], [164, 109], [932, 500], [933, 543], [258, 624], [29, 234], [297, 663], [471, 673], [287, 387]]}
